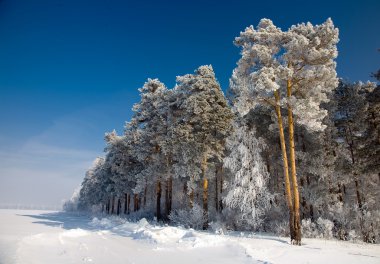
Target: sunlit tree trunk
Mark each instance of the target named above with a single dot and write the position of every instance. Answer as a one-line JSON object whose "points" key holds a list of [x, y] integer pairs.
{"points": [[296, 201], [288, 193]]}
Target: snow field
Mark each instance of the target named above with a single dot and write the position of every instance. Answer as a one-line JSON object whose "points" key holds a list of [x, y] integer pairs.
{"points": [[57, 237]]}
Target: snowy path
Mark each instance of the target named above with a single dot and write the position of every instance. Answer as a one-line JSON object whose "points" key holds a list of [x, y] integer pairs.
{"points": [[55, 237]]}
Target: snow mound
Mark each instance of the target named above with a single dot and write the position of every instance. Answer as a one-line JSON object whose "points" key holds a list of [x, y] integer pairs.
{"points": [[159, 234], [199, 240], [103, 223], [75, 233]]}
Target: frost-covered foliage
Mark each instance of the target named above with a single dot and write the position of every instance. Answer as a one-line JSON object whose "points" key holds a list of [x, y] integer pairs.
{"points": [[189, 217], [204, 120], [175, 138], [302, 57], [72, 204], [295, 70], [94, 185], [322, 228], [247, 189], [190, 158]]}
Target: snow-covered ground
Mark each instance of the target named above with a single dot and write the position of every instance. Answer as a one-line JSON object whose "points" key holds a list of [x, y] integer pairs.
{"points": [[58, 237]]}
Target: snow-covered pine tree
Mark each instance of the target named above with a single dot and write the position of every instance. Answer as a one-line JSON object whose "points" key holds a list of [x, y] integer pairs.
{"points": [[298, 66], [93, 188], [150, 120], [204, 125], [247, 188], [354, 136]]}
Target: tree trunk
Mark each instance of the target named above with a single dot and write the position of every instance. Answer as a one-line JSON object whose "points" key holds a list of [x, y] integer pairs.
{"points": [[108, 206], [136, 202], [118, 206], [168, 197], [221, 188], [296, 197], [166, 200], [125, 203], [218, 187], [288, 193], [205, 203], [170, 194], [216, 191], [145, 192], [158, 201], [340, 193], [113, 204], [185, 192], [358, 196], [205, 193], [129, 204], [311, 212], [192, 194]]}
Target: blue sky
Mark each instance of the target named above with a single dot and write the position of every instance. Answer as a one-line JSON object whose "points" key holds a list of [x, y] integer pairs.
{"points": [[69, 71]]}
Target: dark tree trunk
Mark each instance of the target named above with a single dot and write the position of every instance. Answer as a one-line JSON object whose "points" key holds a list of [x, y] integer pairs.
{"points": [[158, 201], [136, 202], [221, 189], [218, 181], [113, 205], [185, 191], [311, 212], [125, 203], [340, 193], [166, 200], [129, 204], [145, 193], [216, 192], [170, 194], [358, 196], [118, 206]]}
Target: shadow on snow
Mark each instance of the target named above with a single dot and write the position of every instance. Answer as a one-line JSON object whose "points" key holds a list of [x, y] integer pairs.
{"points": [[63, 219], [70, 220]]}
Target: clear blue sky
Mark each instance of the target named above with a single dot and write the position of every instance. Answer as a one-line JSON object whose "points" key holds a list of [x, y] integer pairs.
{"points": [[69, 71]]}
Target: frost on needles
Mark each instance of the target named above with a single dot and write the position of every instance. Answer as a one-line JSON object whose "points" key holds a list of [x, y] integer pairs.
{"points": [[291, 150]]}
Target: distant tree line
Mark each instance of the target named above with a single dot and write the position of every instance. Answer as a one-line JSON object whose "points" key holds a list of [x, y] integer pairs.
{"points": [[291, 150]]}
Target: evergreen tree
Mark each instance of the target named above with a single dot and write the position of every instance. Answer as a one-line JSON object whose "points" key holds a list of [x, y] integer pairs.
{"points": [[296, 65], [151, 124], [204, 125], [247, 188]]}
